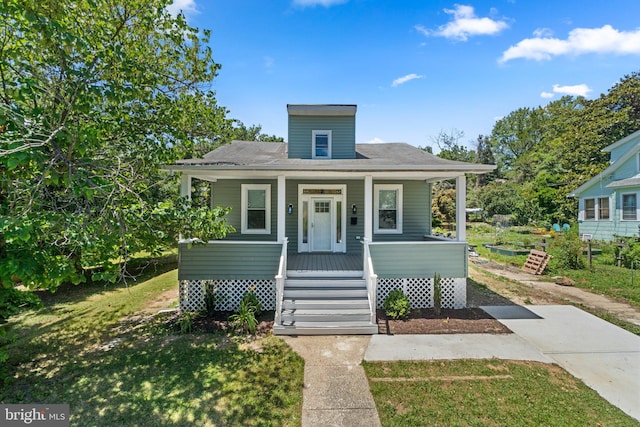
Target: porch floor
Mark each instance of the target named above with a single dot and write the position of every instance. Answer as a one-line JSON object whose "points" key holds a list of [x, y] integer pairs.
{"points": [[324, 262]]}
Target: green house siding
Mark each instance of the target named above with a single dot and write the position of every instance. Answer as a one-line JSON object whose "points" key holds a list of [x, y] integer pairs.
{"points": [[228, 193], [411, 260], [416, 212], [343, 138], [228, 261]]}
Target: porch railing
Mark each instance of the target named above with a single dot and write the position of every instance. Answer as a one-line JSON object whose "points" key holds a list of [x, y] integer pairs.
{"points": [[371, 280], [280, 278]]}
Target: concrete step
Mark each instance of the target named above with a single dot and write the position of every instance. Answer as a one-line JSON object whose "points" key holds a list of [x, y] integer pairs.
{"points": [[354, 274], [324, 293], [292, 316], [322, 304], [341, 282], [326, 328]]}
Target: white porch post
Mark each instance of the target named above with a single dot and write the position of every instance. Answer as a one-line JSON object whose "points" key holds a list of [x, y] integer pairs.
{"points": [[461, 205], [185, 186], [282, 207], [368, 207]]}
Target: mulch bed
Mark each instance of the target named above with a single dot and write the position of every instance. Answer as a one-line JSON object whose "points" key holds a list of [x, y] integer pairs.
{"points": [[425, 321]]}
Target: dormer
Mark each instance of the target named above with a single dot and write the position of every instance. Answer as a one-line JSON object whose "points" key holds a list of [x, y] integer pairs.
{"points": [[322, 131]]}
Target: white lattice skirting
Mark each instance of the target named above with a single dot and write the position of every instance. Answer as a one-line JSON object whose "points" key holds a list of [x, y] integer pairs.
{"points": [[228, 293], [420, 291]]}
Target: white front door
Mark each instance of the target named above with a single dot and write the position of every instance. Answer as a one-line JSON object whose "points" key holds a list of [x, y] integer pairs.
{"points": [[321, 225]]}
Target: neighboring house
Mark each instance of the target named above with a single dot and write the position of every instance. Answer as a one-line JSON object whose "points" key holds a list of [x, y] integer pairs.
{"points": [[325, 227], [609, 203]]}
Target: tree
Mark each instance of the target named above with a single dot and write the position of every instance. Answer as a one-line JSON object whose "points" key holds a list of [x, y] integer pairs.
{"points": [[95, 95], [253, 133]]}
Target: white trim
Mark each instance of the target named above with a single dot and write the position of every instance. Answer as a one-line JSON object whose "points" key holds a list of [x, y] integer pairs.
{"points": [[461, 205], [376, 208], [267, 201], [368, 208], [336, 247], [282, 208], [314, 134], [185, 186]]}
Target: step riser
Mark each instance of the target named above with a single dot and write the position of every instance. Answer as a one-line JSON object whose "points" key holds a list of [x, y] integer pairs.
{"points": [[326, 305], [324, 294], [319, 284], [320, 319]]}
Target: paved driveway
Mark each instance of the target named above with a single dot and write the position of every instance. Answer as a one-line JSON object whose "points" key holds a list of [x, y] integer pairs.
{"points": [[604, 356]]}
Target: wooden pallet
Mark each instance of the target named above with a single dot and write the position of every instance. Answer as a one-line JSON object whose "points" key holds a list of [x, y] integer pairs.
{"points": [[536, 262]]}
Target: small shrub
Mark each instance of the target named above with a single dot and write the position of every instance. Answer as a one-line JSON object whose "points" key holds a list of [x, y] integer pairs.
{"points": [[568, 250], [396, 304], [186, 322], [244, 320], [212, 298]]}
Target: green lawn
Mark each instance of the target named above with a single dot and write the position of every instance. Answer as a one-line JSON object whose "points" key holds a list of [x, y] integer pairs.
{"points": [[142, 372], [486, 393]]}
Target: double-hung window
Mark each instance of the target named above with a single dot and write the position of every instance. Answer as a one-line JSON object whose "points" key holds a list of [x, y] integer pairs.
{"points": [[321, 144], [629, 207], [603, 208], [256, 209], [589, 209], [387, 209]]}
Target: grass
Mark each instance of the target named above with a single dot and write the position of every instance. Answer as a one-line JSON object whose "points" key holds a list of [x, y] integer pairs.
{"points": [[619, 283], [141, 372], [485, 393]]}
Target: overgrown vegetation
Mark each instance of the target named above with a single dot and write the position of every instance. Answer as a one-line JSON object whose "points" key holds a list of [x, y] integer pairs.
{"points": [[245, 319], [396, 304], [84, 348], [485, 392]]}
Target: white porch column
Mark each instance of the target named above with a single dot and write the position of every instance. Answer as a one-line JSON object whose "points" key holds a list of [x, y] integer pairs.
{"points": [[461, 205], [282, 207], [368, 207], [185, 186]]}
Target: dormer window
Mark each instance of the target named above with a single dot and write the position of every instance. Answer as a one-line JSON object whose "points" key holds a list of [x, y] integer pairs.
{"points": [[321, 144]]}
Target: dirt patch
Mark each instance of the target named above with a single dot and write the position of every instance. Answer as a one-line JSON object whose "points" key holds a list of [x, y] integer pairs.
{"points": [[219, 323], [425, 321]]}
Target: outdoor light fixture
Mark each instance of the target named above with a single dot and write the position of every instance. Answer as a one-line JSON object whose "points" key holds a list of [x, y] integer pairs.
{"points": [[354, 209], [290, 209]]}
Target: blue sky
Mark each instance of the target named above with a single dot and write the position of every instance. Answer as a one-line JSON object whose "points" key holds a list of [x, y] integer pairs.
{"points": [[414, 68]]}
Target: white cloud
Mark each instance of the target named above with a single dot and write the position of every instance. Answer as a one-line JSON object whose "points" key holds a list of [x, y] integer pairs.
{"points": [[376, 140], [547, 95], [269, 63], [581, 41], [402, 80], [325, 3], [465, 23], [575, 90], [188, 7], [542, 32]]}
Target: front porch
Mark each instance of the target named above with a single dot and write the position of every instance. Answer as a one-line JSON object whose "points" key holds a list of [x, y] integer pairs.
{"points": [[339, 288], [324, 263]]}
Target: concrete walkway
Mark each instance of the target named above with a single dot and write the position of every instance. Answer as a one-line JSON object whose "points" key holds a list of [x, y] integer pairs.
{"points": [[336, 390], [604, 356]]}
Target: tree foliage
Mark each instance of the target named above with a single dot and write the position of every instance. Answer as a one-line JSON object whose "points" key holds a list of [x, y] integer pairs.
{"points": [[95, 95]]}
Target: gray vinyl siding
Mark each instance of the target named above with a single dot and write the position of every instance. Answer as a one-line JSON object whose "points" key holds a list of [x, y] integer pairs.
{"points": [[411, 260], [416, 213], [228, 193], [228, 261], [343, 135]]}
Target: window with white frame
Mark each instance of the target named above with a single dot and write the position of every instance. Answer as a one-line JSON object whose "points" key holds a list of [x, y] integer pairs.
{"points": [[387, 208], [256, 209], [321, 144], [589, 209], [629, 207], [603, 208]]}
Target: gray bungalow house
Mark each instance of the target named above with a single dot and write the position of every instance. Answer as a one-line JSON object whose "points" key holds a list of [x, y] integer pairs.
{"points": [[325, 227], [609, 203]]}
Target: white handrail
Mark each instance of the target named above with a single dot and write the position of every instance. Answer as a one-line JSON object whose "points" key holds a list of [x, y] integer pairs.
{"points": [[280, 278], [371, 280]]}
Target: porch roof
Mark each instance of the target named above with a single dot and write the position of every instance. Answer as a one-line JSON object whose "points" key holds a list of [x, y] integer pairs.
{"points": [[272, 156]]}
